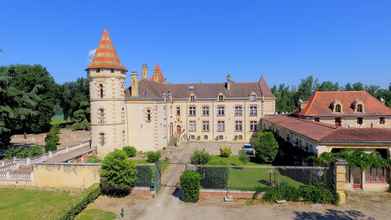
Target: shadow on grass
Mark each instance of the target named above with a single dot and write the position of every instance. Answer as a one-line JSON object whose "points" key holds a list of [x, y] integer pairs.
{"points": [[332, 214]]}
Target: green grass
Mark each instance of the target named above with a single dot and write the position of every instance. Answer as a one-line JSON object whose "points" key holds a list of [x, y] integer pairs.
{"points": [[250, 176], [256, 179], [17, 203], [95, 214]]}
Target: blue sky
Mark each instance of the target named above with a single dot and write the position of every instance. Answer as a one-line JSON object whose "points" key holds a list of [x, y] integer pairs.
{"points": [[193, 41]]}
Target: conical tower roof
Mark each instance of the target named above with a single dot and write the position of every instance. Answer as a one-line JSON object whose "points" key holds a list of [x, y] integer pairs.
{"points": [[157, 74], [105, 55]]}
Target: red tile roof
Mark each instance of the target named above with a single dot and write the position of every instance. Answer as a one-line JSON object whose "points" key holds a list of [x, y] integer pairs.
{"points": [[319, 104], [327, 134], [105, 55]]}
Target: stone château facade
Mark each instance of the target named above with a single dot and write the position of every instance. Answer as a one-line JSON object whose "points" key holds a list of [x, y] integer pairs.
{"points": [[153, 113]]}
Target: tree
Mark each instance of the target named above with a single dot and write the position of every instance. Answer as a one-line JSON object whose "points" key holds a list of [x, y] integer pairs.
{"points": [[118, 174], [74, 100], [265, 146], [27, 78], [306, 88], [328, 86], [284, 98]]}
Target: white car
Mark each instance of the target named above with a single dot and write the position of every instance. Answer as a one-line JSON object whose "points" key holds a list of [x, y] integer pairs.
{"points": [[248, 149]]}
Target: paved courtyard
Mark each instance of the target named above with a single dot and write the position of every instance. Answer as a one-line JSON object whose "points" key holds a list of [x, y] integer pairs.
{"points": [[167, 206]]}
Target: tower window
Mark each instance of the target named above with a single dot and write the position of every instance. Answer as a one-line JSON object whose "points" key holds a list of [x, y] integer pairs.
{"points": [[149, 115], [101, 116], [101, 90], [102, 139], [178, 111], [123, 114]]}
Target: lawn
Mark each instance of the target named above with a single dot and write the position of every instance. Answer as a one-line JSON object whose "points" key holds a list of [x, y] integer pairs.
{"points": [[18, 203], [95, 214], [250, 176]]}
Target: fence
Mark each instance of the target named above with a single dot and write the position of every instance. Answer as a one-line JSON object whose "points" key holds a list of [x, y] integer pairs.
{"points": [[259, 178], [148, 175]]}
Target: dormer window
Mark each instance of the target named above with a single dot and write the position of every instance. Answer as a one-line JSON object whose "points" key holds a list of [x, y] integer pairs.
{"points": [[253, 97], [220, 98], [359, 108], [192, 98], [338, 108]]}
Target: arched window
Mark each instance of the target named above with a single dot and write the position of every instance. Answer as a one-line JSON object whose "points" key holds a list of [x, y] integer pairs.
{"points": [[220, 98], [101, 91], [360, 108], [338, 108], [101, 116], [192, 98], [253, 97]]}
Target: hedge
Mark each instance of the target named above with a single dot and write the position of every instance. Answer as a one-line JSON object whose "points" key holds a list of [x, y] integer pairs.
{"points": [[190, 185], [213, 177], [144, 175], [85, 198]]}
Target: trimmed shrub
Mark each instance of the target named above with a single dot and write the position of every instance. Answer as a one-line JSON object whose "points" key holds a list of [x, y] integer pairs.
{"points": [[118, 174], [24, 152], [153, 156], [86, 198], [282, 192], [214, 177], [243, 157], [130, 151], [52, 139], [317, 194], [265, 146], [190, 185], [200, 157], [225, 151]]}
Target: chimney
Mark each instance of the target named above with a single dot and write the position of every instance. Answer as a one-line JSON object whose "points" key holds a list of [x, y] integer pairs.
{"points": [[228, 82], [134, 82], [144, 71]]}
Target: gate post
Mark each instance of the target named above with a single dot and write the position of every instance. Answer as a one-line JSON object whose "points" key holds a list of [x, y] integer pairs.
{"points": [[340, 180]]}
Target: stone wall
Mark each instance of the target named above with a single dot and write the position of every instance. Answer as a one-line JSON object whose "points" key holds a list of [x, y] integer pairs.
{"points": [[63, 175]]}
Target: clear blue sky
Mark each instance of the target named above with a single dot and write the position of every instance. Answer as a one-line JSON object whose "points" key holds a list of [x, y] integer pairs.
{"points": [[202, 40]]}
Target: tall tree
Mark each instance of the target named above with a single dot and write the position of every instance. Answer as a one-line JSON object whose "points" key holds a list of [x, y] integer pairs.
{"points": [[306, 88], [328, 86]]}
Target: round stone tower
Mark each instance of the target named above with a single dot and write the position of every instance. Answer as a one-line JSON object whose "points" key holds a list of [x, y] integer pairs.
{"points": [[107, 77]]}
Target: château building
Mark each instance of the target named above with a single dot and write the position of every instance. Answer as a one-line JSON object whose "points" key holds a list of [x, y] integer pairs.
{"points": [[153, 113]]}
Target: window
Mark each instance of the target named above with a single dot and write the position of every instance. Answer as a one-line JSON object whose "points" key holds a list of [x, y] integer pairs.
{"points": [[338, 122], [192, 98], [192, 126], [253, 110], [238, 126], [123, 137], [206, 137], [192, 137], [220, 137], [382, 121], [360, 108], [98, 70], [253, 126], [220, 98], [238, 110], [205, 126], [148, 115], [102, 139], [220, 110], [220, 126], [192, 111], [253, 97], [360, 121], [101, 116], [317, 119], [101, 91], [123, 114], [205, 110], [178, 111], [338, 108]]}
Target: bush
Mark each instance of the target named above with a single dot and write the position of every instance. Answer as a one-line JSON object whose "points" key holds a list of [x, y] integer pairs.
{"points": [[83, 125], [225, 151], [153, 156], [243, 157], [282, 192], [86, 198], [24, 152], [317, 194], [214, 177], [190, 185], [93, 159], [130, 151], [118, 174], [200, 157], [144, 175], [52, 139], [265, 146]]}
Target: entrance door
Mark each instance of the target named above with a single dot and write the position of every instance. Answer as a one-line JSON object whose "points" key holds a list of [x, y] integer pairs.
{"points": [[357, 178]]}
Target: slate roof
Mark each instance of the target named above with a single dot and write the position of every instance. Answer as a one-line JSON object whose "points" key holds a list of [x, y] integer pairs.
{"points": [[327, 134], [319, 104], [151, 89]]}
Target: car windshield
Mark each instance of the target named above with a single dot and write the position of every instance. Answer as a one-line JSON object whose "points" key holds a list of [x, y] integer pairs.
{"points": [[247, 146]]}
